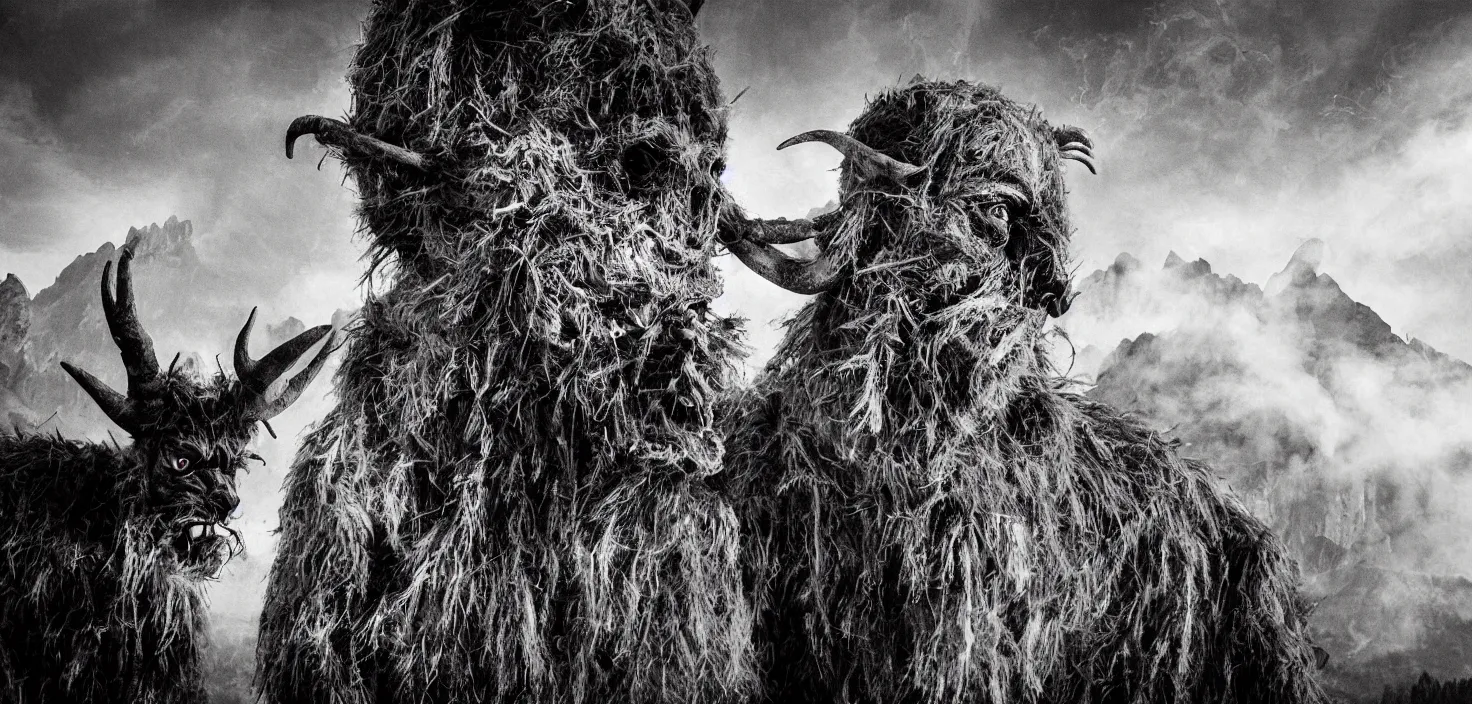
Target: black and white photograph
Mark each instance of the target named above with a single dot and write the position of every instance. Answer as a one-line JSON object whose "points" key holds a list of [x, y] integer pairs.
{"points": [[736, 351]]}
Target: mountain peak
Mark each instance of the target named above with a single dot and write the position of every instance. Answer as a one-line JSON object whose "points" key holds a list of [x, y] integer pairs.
{"points": [[174, 239], [1194, 270], [1302, 268], [11, 286], [15, 321], [1125, 263], [1310, 254]]}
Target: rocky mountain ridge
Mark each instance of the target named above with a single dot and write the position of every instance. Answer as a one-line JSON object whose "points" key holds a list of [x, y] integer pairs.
{"points": [[1348, 439]]}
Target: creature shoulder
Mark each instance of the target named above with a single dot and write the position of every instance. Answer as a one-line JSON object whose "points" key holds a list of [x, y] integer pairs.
{"points": [[30, 458], [1122, 441]]}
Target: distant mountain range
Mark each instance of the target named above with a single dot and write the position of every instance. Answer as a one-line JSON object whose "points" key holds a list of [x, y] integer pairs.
{"points": [[1353, 443]]}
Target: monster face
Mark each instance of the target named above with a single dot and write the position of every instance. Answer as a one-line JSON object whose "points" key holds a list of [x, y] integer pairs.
{"points": [[191, 435], [949, 191]]}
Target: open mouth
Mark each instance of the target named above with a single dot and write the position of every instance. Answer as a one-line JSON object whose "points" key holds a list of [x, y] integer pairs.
{"points": [[201, 544]]}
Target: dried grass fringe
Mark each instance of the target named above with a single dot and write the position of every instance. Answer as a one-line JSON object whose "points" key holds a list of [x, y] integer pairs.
{"points": [[510, 500]]}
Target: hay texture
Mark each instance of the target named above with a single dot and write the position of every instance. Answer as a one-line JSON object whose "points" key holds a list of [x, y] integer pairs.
{"points": [[929, 518], [509, 501], [99, 599]]}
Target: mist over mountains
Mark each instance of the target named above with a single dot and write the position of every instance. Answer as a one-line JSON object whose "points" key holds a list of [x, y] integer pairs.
{"points": [[1352, 442]]}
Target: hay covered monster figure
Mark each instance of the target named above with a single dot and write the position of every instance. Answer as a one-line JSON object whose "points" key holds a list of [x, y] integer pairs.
{"points": [[509, 501], [104, 548], [928, 516]]}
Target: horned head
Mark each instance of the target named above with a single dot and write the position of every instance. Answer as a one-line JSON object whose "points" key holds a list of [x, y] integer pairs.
{"points": [[948, 186], [191, 436]]}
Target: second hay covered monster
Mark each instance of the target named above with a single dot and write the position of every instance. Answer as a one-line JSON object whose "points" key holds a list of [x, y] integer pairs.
{"points": [[929, 517], [509, 501]]}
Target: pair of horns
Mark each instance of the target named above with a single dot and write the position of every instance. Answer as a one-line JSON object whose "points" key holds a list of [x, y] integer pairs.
{"points": [[145, 381], [751, 240], [257, 376], [1074, 143]]}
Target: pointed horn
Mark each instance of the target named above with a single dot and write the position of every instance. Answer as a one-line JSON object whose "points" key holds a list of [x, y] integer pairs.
{"points": [[1082, 158], [296, 348], [258, 375], [115, 405], [244, 365], [865, 161], [336, 133], [744, 237], [134, 345], [1077, 147], [796, 275], [1074, 143]]}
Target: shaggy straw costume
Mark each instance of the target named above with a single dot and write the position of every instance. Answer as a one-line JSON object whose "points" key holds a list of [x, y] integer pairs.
{"points": [[930, 518], [509, 501], [103, 548]]}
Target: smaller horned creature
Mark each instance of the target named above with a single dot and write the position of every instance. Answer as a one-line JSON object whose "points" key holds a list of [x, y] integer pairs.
{"points": [[103, 548]]}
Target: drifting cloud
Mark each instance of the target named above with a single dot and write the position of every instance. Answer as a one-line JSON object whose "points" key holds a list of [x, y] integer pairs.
{"points": [[115, 113]]}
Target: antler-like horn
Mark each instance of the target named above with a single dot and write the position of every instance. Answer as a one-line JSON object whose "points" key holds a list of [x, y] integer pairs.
{"points": [[743, 238], [1074, 143], [336, 133], [257, 376], [864, 161], [112, 403], [133, 344], [121, 312]]}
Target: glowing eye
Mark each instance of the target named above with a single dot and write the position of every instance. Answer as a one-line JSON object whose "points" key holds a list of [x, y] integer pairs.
{"points": [[997, 211], [181, 465]]}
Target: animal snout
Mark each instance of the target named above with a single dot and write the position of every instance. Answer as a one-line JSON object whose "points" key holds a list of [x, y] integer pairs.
{"points": [[225, 503]]}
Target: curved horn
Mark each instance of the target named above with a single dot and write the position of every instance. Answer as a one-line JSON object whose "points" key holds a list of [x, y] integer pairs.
{"points": [[796, 275], [1074, 143], [257, 376], [336, 133], [1077, 147], [780, 231], [747, 240], [1082, 158], [115, 405], [299, 383], [134, 345], [865, 161]]}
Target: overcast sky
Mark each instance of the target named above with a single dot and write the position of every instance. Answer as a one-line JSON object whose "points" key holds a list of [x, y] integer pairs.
{"points": [[1230, 130]]}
